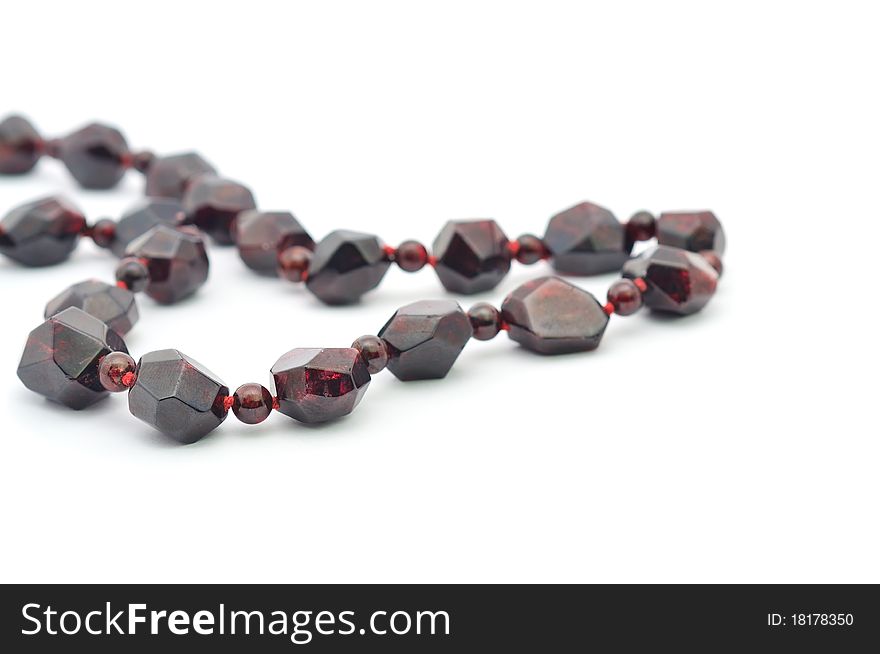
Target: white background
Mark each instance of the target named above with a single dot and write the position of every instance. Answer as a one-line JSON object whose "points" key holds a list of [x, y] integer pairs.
{"points": [[736, 445]]}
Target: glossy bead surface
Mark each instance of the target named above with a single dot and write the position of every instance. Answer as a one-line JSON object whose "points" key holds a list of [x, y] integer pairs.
{"points": [[260, 236], [117, 372], [96, 155], [345, 265], [213, 203], [714, 261], [20, 146], [471, 255], [586, 240], [411, 256], [530, 249], [485, 321], [176, 261], [142, 217], [177, 395], [373, 352], [103, 233], [41, 233], [169, 177], [691, 230], [551, 316], [293, 263], [625, 297], [319, 384], [252, 403], [425, 338], [110, 304], [677, 281], [133, 274], [62, 356], [641, 226]]}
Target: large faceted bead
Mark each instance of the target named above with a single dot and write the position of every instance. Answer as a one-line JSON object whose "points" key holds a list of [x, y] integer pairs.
{"points": [[551, 316], [260, 236], [471, 255], [41, 233], [20, 146], [168, 177], [96, 155], [141, 218], [212, 204], [691, 230], [112, 305], [319, 384], [178, 396], [678, 281], [424, 339], [346, 265], [587, 240], [176, 260], [62, 357]]}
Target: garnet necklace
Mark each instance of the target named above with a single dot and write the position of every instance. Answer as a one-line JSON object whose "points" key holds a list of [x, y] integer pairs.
{"points": [[78, 355]]}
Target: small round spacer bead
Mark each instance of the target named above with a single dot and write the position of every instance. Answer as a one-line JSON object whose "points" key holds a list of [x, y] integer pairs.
{"points": [[117, 372], [293, 263], [373, 352], [485, 321], [529, 249], [141, 161], [641, 226], [251, 403], [52, 148], [131, 273], [411, 256], [103, 233], [714, 260], [624, 298]]}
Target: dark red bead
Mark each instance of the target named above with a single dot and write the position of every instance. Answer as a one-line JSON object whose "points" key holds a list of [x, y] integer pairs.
{"points": [[411, 256], [176, 261], [133, 274], [117, 372], [141, 161], [691, 230], [625, 297], [641, 226], [551, 316], [213, 203], [316, 385], [346, 265], [142, 217], [41, 233], [485, 321], [20, 146], [169, 177], [103, 233], [110, 304], [252, 403], [293, 263], [586, 240], [714, 260], [96, 155], [62, 356], [260, 236], [530, 249], [373, 351], [471, 255], [677, 281]]}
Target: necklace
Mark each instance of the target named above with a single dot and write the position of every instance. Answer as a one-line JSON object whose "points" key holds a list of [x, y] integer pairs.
{"points": [[78, 355]]}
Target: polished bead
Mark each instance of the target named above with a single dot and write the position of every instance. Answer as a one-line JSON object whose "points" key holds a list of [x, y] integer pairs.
{"points": [[213, 203], [169, 177], [117, 372], [551, 316], [677, 281], [714, 261], [20, 146], [316, 385], [103, 232], [62, 356], [176, 261], [530, 249], [252, 403], [373, 352], [691, 230], [96, 155], [485, 321], [141, 161], [425, 338], [110, 304], [260, 236], [41, 233], [178, 396], [142, 217], [346, 265], [586, 240], [411, 256], [625, 297], [471, 255], [132, 274], [293, 263], [641, 226]]}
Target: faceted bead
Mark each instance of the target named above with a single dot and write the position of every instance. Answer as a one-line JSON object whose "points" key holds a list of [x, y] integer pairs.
{"points": [[62, 357], [177, 395], [586, 240], [133, 274], [168, 177], [260, 236], [176, 260], [20, 146], [41, 233], [293, 263], [346, 265], [411, 256], [110, 304], [641, 226], [691, 230], [677, 281], [485, 321], [714, 261], [373, 351], [142, 217], [425, 338], [625, 297], [530, 249], [252, 403], [96, 156], [551, 316], [316, 385], [117, 372], [471, 255], [213, 203]]}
